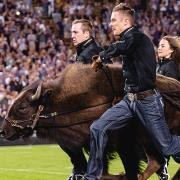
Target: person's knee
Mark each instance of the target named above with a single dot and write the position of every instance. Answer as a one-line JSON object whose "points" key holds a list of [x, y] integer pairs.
{"points": [[166, 151], [96, 127], [93, 127]]}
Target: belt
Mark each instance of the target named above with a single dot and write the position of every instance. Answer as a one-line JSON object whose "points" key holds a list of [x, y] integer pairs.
{"points": [[141, 95]]}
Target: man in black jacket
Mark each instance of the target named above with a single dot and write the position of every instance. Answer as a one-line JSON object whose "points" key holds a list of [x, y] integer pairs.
{"points": [[142, 101], [85, 44]]}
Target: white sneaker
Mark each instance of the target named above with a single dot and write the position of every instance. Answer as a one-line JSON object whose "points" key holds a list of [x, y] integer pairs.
{"points": [[163, 172]]}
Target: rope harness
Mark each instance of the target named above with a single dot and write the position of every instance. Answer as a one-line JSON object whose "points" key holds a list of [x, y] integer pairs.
{"points": [[35, 117], [62, 125]]}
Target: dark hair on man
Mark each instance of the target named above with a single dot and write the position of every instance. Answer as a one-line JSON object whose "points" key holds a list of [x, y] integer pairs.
{"points": [[86, 25], [125, 9]]}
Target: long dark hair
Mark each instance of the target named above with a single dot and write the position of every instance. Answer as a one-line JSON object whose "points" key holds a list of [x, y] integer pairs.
{"points": [[174, 42]]}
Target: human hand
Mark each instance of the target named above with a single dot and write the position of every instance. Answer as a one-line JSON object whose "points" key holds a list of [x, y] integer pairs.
{"points": [[96, 63]]}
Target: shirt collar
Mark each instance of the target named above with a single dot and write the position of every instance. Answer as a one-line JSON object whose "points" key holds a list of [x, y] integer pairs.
{"points": [[165, 60], [126, 31], [81, 46]]}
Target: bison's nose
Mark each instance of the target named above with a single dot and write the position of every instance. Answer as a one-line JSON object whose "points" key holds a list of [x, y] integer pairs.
{"points": [[2, 133]]}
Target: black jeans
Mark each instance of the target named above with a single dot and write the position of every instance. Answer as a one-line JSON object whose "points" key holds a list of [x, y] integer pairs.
{"points": [[148, 111]]}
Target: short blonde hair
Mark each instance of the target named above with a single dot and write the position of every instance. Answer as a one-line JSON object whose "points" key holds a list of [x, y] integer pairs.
{"points": [[126, 10], [86, 25]]}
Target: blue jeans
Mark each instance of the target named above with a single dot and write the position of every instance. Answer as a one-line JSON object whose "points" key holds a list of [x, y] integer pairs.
{"points": [[148, 111]]}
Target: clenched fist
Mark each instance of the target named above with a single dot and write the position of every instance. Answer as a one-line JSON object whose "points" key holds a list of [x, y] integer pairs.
{"points": [[97, 63]]}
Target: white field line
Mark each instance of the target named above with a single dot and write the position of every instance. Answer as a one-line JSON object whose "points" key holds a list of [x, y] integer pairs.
{"points": [[2, 148], [27, 147], [32, 171]]}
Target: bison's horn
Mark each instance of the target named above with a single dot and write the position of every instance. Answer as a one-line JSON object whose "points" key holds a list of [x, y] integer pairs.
{"points": [[37, 93]]}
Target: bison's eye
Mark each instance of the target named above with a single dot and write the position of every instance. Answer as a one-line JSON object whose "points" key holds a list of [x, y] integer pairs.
{"points": [[23, 106]]}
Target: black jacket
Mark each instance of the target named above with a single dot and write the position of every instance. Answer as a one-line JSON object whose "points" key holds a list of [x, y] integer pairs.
{"points": [[86, 50], [139, 60], [168, 68]]}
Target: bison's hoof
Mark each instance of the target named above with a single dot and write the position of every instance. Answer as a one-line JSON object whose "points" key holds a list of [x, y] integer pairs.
{"points": [[141, 177], [76, 177], [121, 176]]}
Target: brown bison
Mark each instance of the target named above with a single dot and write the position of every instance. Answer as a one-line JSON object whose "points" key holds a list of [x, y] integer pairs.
{"points": [[63, 110]]}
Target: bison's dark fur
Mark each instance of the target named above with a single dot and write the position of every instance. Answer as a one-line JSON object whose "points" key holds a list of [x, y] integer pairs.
{"points": [[80, 94]]}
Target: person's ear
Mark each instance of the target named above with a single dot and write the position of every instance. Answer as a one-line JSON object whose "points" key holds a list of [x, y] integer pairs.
{"points": [[126, 21], [87, 34], [172, 50]]}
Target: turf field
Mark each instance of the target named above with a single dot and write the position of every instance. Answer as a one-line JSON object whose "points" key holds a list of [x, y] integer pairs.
{"points": [[44, 162]]}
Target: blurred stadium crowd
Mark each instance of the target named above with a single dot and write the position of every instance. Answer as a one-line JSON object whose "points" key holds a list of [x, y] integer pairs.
{"points": [[35, 35]]}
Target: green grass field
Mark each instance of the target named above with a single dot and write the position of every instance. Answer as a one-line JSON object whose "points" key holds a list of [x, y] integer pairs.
{"points": [[44, 162]]}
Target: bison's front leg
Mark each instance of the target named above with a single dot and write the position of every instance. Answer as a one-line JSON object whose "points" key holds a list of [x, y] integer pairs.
{"points": [[156, 161], [128, 151], [121, 176], [78, 160], [153, 166]]}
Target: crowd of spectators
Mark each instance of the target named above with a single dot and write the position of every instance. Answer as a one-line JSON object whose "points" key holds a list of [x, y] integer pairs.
{"points": [[32, 48]]}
